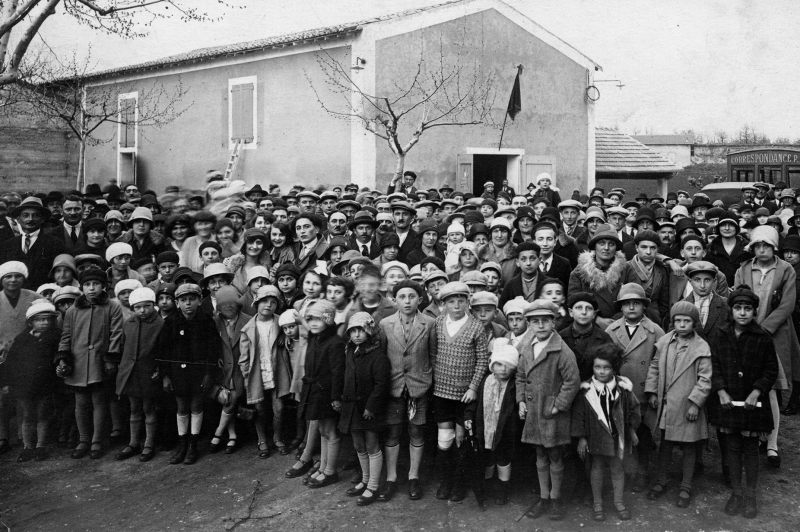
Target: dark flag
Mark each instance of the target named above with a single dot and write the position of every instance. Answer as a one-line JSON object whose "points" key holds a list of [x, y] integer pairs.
{"points": [[515, 102], [514, 105]]}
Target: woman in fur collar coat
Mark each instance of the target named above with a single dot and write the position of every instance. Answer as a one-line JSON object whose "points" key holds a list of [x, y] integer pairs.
{"points": [[600, 272]]}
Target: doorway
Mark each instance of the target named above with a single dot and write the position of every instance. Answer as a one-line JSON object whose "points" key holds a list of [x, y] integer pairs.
{"points": [[486, 168]]}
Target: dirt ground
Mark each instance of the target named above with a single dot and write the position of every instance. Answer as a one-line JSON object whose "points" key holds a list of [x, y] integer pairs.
{"points": [[244, 493]]}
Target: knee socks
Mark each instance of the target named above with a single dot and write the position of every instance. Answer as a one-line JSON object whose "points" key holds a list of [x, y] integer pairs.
{"points": [[543, 472], [197, 423], [556, 477], [183, 425], [136, 428], [504, 472], [375, 464], [392, 453], [150, 429], [323, 453], [363, 459], [488, 472], [333, 455], [415, 453], [772, 440]]}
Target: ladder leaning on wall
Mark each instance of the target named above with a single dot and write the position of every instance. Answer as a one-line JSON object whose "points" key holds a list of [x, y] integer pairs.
{"points": [[234, 158]]}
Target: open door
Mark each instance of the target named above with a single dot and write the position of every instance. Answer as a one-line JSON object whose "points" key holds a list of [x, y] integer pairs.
{"points": [[532, 166], [464, 168]]}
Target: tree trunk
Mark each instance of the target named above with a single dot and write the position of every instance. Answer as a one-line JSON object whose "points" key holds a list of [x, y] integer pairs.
{"points": [[398, 171], [81, 155]]}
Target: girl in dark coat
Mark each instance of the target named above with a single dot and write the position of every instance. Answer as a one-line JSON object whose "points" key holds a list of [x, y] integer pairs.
{"points": [[493, 417], [323, 381], [745, 368], [137, 376], [366, 388], [190, 350], [28, 375], [605, 417]]}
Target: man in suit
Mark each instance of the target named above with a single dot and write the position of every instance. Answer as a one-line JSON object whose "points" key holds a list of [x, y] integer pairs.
{"points": [[528, 281], [69, 231], [406, 187], [362, 237], [403, 214], [310, 246], [33, 248], [761, 199], [550, 264], [507, 189]]}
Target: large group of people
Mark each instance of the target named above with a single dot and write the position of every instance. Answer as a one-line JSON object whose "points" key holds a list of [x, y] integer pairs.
{"points": [[588, 334]]}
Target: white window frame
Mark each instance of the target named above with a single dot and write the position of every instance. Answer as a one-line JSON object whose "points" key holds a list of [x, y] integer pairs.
{"points": [[242, 81], [127, 150]]}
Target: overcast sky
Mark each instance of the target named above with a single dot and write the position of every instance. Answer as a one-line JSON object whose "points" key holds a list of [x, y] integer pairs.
{"points": [[685, 64]]}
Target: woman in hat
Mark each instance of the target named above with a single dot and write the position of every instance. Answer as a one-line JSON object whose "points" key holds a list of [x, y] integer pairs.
{"points": [[93, 234], [774, 282], [501, 249], [595, 217], [544, 182], [143, 240], [254, 253]]}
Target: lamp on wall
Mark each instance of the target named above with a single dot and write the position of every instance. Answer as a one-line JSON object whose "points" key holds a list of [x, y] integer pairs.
{"points": [[358, 64]]}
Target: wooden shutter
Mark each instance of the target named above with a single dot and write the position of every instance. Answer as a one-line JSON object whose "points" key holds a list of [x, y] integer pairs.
{"points": [[242, 112], [127, 128], [463, 173], [532, 166]]}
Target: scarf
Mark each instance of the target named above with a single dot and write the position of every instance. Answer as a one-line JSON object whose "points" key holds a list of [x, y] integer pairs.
{"points": [[602, 397], [493, 391], [266, 356], [644, 273]]}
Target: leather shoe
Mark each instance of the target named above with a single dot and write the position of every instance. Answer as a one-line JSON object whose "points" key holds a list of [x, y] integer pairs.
{"points": [[80, 451], [414, 489], [683, 502], [539, 509], [444, 491], [128, 452], [96, 454], [623, 513], [214, 448], [792, 409], [327, 480], [388, 491], [363, 500], [733, 505], [774, 461], [147, 456], [355, 491], [300, 471]]}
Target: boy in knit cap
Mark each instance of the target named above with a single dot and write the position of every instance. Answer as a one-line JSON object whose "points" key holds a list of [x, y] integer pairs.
{"points": [[515, 315], [122, 292], [678, 384], [493, 417], [458, 369]]}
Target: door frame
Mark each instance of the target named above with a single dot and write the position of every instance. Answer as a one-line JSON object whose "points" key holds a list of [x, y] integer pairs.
{"points": [[513, 162]]}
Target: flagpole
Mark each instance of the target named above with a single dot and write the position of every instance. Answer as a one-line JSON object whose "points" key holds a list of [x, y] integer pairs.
{"points": [[513, 101], [505, 118]]}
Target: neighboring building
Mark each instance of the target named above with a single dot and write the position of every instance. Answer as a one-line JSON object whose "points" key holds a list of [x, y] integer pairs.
{"points": [[622, 161], [765, 164], [678, 149], [261, 92]]}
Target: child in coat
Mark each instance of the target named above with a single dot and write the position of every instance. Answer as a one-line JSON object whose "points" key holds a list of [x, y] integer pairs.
{"points": [[458, 369], [258, 347], [28, 376], [517, 325], [366, 388], [138, 375], [677, 386], [547, 382], [63, 299], [190, 351], [282, 396], [493, 417], [605, 417], [89, 351], [745, 368]]}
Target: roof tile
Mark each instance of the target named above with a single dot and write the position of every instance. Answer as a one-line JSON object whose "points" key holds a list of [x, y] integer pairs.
{"points": [[616, 152]]}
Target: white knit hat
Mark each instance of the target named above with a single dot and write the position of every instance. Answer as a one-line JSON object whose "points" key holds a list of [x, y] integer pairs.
{"points": [[763, 234], [118, 248], [507, 354], [456, 228], [139, 295], [287, 318], [13, 266], [40, 306], [126, 284]]}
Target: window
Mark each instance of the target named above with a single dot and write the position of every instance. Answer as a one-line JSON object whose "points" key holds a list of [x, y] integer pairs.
{"points": [[127, 117], [242, 119]]}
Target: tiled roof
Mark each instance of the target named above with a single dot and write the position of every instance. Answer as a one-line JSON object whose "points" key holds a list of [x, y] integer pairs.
{"points": [[619, 153], [672, 140], [279, 41]]}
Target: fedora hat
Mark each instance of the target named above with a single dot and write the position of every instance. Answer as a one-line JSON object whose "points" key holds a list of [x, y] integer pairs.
{"points": [[31, 202], [363, 217], [605, 232], [632, 292]]}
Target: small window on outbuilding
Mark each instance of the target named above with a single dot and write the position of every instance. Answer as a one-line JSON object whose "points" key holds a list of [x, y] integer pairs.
{"points": [[242, 111]]}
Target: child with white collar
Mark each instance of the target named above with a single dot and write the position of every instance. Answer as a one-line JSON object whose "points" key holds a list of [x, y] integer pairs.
{"points": [[605, 417]]}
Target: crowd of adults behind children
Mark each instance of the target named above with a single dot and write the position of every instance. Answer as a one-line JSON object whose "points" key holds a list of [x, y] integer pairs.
{"points": [[588, 334]]}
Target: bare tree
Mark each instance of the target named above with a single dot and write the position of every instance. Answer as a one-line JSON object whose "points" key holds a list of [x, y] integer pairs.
{"points": [[448, 90], [63, 97], [782, 140], [722, 137], [127, 18]]}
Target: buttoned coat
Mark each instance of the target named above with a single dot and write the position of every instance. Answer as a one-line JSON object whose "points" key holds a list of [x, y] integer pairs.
{"points": [[323, 380], [691, 384], [605, 285], [507, 430], [410, 359], [385, 309], [659, 294], [550, 381], [717, 314], [250, 360], [190, 352], [91, 336], [740, 365], [587, 424], [139, 354], [637, 353], [597, 336], [728, 263], [231, 373], [366, 385], [779, 317]]}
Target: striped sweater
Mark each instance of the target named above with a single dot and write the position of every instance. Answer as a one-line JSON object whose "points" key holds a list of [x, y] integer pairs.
{"points": [[461, 361]]}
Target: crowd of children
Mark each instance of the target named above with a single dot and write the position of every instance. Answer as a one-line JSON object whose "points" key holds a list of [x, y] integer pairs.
{"points": [[536, 334]]}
